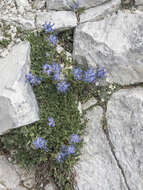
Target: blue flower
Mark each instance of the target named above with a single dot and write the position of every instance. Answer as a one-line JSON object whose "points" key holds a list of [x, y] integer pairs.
{"points": [[33, 79], [71, 149], [48, 27], [74, 138], [61, 157], [47, 54], [77, 73], [29, 76], [101, 73], [51, 122], [90, 76], [53, 39], [56, 67], [74, 4], [40, 143], [47, 69], [56, 71], [62, 86], [57, 76]]}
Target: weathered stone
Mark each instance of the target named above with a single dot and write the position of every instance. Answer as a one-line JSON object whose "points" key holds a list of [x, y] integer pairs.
{"points": [[58, 18], [26, 176], [115, 43], [89, 103], [19, 188], [22, 3], [97, 168], [63, 4], [139, 2], [125, 124], [8, 176], [26, 21], [99, 12], [50, 187], [39, 4], [18, 105]]}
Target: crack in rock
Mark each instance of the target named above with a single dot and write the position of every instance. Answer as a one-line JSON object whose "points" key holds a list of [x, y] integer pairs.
{"points": [[112, 149]]}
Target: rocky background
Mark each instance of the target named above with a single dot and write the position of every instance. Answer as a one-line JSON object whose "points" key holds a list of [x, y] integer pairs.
{"points": [[108, 33]]}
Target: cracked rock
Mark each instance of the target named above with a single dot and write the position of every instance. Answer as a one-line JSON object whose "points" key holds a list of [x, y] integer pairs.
{"points": [[63, 4], [99, 12], [115, 43], [8, 176], [125, 124], [18, 106], [97, 168], [58, 18], [92, 101]]}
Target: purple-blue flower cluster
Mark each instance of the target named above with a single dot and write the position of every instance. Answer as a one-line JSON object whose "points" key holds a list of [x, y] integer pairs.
{"points": [[34, 80], [62, 86], [51, 122], [89, 75], [73, 4], [53, 39], [48, 27], [74, 138], [68, 150], [53, 69], [40, 143]]}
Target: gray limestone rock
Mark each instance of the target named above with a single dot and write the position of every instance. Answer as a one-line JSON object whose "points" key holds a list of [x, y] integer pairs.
{"points": [[99, 12], [18, 105], [22, 3], [58, 18], [64, 4], [125, 124], [9, 179], [139, 2], [92, 101], [115, 43], [97, 168]]}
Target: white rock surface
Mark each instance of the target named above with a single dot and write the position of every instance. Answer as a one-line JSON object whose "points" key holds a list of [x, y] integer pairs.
{"points": [[63, 5], [26, 20], [115, 43], [99, 12], [139, 2], [92, 101], [22, 3], [50, 187], [8, 176], [58, 18], [39, 4], [18, 105], [125, 124], [97, 168]]}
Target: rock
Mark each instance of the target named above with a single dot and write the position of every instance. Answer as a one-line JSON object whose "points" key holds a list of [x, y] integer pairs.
{"points": [[20, 188], [115, 43], [26, 176], [97, 168], [26, 21], [63, 4], [92, 101], [22, 3], [58, 18], [99, 12], [8, 176], [125, 125], [39, 4], [18, 106], [139, 2], [49, 187]]}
